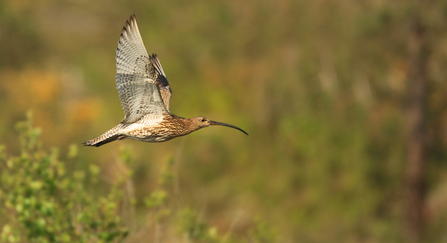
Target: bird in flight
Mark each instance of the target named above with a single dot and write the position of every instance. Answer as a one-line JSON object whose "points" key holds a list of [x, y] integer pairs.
{"points": [[145, 95]]}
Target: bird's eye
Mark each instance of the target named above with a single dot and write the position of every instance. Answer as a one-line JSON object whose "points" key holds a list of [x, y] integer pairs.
{"points": [[203, 120]]}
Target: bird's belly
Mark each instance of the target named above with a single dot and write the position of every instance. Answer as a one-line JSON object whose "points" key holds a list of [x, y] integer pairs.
{"points": [[147, 134], [150, 139]]}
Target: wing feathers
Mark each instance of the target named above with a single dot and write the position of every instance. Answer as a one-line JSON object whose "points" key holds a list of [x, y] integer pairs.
{"points": [[136, 77], [162, 81]]}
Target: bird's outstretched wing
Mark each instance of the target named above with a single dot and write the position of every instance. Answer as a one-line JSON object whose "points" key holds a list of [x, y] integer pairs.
{"points": [[162, 81], [137, 78]]}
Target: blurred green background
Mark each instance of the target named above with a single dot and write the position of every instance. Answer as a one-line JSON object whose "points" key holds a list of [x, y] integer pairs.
{"points": [[321, 86]]}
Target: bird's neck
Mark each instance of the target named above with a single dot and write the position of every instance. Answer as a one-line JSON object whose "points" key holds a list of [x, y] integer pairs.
{"points": [[182, 125]]}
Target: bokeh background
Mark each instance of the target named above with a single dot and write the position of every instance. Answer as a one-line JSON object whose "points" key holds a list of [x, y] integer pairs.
{"points": [[345, 103]]}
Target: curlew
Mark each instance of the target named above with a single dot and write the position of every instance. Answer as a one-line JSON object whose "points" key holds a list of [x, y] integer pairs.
{"points": [[145, 95]]}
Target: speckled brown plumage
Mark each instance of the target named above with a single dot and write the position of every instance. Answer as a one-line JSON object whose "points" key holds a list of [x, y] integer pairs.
{"points": [[145, 96]]}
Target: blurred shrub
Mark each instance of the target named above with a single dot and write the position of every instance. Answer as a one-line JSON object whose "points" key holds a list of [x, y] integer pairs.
{"points": [[170, 219], [43, 201]]}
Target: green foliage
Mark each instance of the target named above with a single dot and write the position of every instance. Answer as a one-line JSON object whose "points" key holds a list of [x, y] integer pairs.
{"points": [[169, 215], [193, 229], [43, 202]]}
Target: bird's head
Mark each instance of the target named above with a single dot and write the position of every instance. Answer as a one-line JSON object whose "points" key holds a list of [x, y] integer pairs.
{"points": [[201, 122]]}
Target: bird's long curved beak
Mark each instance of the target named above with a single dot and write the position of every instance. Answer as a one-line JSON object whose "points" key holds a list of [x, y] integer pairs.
{"points": [[227, 125]]}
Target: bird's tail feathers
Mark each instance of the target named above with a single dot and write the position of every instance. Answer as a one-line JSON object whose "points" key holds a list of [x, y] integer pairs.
{"points": [[109, 136]]}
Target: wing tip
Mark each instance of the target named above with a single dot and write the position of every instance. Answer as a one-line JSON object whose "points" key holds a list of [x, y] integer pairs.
{"points": [[132, 21]]}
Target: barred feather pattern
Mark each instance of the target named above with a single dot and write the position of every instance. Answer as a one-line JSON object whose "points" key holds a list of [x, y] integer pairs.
{"points": [[137, 77], [146, 130], [109, 136]]}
